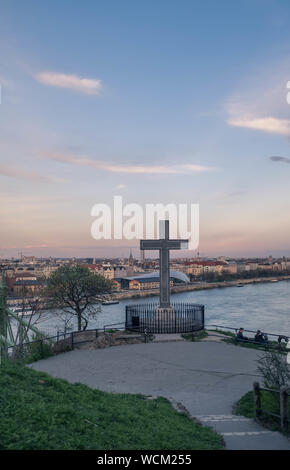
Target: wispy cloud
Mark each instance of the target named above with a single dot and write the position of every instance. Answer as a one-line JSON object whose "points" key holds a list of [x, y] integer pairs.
{"points": [[266, 124], [229, 195], [88, 86], [9, 247], [280, 159], [131, 169], [36, 246], [259, 103], [21, 174]]}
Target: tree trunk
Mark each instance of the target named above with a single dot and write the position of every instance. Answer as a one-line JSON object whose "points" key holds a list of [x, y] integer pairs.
{"points": [[85, 324], [79, 320]]}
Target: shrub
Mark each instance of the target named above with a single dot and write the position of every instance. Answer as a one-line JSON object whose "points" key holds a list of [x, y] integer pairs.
{"points": [[274, 370]]}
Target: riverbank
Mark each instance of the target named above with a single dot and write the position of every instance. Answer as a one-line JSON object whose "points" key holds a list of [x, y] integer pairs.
{"points": [[195, 287], [261, 305]]}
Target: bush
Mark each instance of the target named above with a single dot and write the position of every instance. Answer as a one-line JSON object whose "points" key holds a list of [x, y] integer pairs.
{"points": [[274, 369], [38, 348]]}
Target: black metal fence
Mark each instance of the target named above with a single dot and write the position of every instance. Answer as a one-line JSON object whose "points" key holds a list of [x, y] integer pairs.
{"points": [[277, 342], [45, 346], [183, 318]]}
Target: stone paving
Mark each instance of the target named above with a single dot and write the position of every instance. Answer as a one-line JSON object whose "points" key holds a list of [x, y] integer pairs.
{"points": [[167, 338], [206, 377]]}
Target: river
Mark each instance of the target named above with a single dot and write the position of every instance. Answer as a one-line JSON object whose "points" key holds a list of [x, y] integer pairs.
{"points": [[264, 306]]}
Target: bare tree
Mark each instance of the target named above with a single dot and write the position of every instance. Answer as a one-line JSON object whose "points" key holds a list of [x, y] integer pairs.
{"points": [[76, 291], [29, 313], [274, 370], [67, 321]]}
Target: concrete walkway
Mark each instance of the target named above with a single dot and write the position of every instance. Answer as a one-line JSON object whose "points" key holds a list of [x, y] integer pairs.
{"points": [[205, 377]]}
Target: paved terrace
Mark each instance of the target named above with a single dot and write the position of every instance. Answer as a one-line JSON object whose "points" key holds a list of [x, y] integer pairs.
{"points": [[207, 377]]}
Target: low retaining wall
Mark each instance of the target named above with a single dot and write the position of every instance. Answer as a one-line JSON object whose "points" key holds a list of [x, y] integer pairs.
{"points": [[89, 340], [106, 340]]}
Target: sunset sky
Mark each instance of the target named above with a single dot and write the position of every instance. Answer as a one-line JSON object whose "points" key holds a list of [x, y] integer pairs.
{"points": [[158, 101]]}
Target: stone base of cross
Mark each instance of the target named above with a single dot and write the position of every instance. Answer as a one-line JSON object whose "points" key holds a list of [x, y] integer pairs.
{"points": [[164, 245], [169, 313]]}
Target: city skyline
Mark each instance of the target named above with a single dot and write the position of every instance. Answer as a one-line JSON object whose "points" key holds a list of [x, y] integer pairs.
{"points": [[152, 101]]}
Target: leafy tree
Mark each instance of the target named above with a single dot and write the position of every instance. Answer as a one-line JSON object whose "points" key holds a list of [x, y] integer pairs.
{"points": [[76, 291]]}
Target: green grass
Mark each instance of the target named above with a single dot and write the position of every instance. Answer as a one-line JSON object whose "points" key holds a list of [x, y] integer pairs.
{"points": [[195, 337], [269, 402], [272, 345], [245, 406], [224, 332], [39, 412], [38, 348], [262, 347]]}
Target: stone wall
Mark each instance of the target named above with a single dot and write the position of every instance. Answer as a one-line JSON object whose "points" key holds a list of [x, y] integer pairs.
{"points": [[88, 340], [106, 340]]}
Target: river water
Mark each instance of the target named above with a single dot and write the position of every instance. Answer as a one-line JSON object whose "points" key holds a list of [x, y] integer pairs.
{"points": [[264, 306]]}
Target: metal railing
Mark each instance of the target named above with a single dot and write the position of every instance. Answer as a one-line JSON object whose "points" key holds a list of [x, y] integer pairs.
{"points": [[284, 410], [265, 344], [146, 334], [112, 325], [74, 338], [181, 318], [249, 331]]}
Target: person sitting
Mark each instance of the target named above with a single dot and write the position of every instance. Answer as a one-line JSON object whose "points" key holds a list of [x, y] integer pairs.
{"points": [[282, 338], [261, 337], [240, 335]]}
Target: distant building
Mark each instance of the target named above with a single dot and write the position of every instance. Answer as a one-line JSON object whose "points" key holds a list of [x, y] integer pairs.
{"points": [[241, 267], [131, 259], [116, 284], [26, 287], [152, 280], [200, 267], [142, 256], [120, 271], [108, 271], [265, 267], [230, 268]]}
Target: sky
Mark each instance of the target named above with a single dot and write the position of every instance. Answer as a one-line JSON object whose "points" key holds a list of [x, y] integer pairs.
{"points": [[162, 101]]}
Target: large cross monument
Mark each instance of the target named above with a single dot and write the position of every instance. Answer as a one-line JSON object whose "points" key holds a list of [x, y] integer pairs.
{"points": [[164, 317], [164, 245]]}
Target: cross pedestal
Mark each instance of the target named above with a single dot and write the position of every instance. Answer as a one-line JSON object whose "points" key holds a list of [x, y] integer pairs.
{"points": [[165, 314], [164, 245]]}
